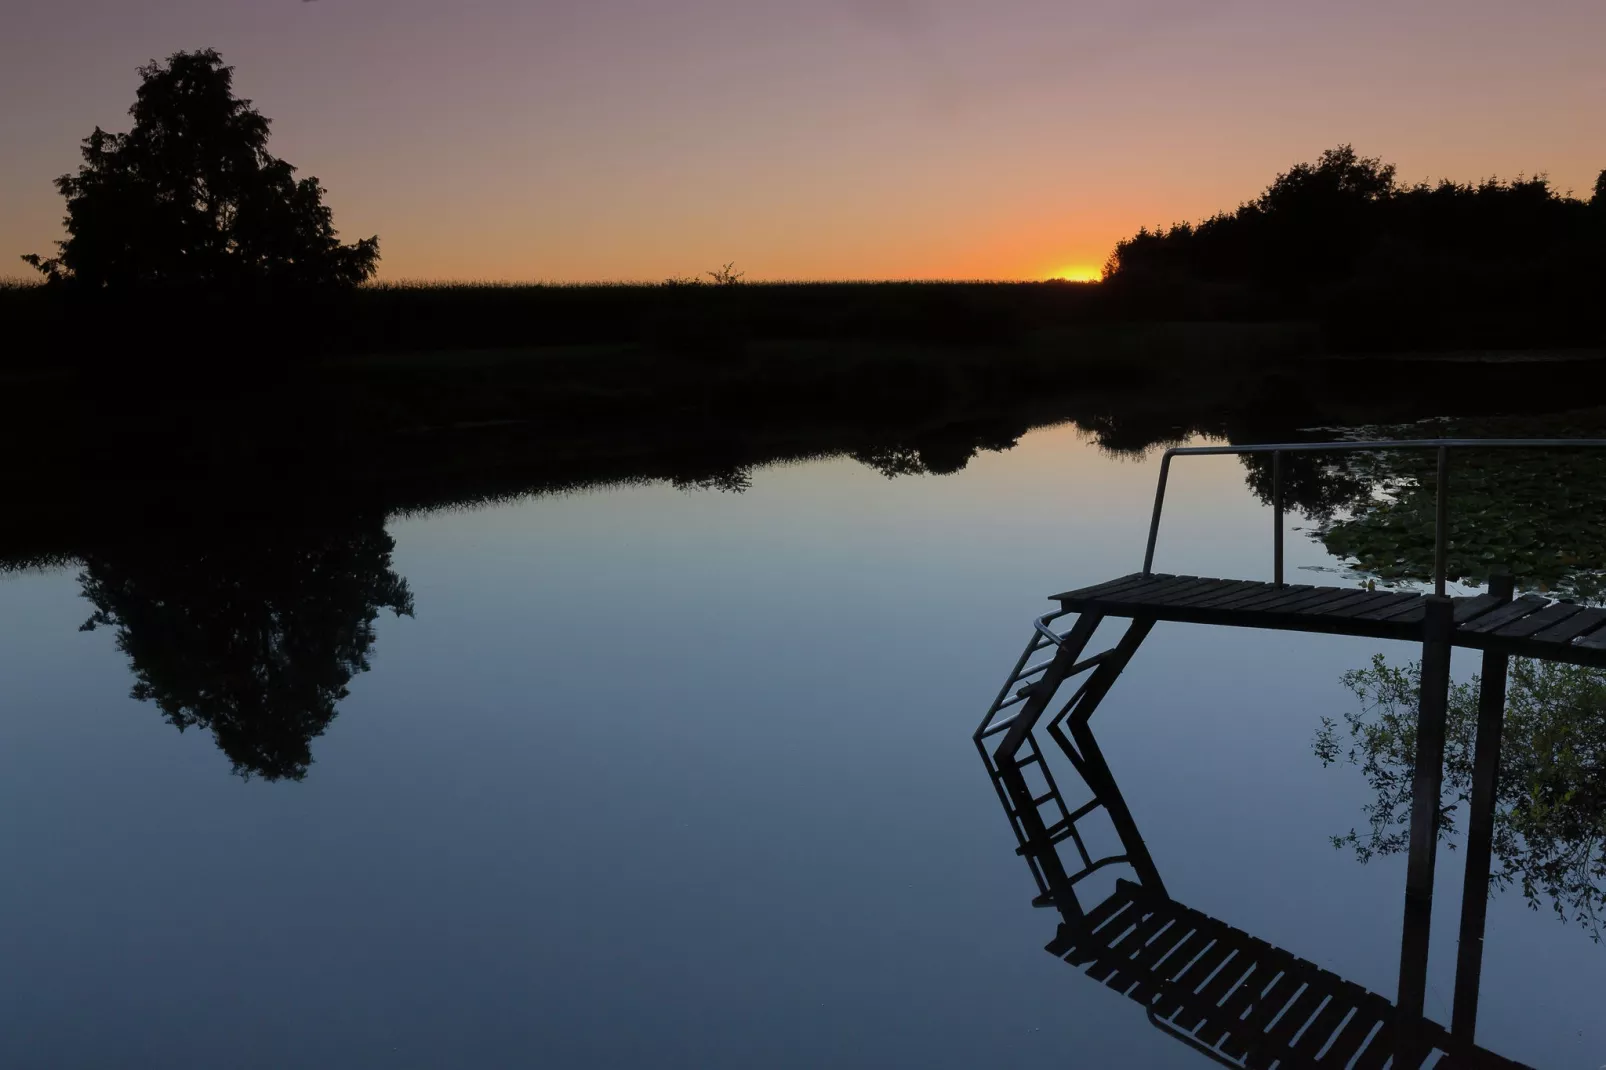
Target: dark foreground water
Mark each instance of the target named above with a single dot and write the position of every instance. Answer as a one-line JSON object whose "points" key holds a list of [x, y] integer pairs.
{"points": [[655, 777]]}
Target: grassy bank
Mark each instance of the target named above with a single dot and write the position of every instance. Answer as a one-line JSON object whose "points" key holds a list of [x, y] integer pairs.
{"points": [[382, 434], [710, 323], [700, 321]]}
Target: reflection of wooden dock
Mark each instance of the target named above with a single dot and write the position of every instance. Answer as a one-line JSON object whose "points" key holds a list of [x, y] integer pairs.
{"points": [[1531, 626], [1230, 994]]}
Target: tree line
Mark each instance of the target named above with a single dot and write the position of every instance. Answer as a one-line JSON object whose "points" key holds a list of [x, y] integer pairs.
{"points": [[1344, 238], [189, 201]]}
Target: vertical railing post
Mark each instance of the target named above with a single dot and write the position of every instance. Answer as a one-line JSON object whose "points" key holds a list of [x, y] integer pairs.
{"points": [[1441, 521], [1154, 523], [1277, 507]]}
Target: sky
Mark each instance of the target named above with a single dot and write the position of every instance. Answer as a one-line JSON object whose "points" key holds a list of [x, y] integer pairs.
{"points": [[843, 139]]}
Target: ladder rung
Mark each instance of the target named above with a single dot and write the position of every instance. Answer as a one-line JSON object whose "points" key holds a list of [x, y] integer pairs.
{"points": [[997, 774], [998, 726], [1043, 798], [1060, 836], [1086, 809], [1011, 702], [1081, 666], [1033, 671]]}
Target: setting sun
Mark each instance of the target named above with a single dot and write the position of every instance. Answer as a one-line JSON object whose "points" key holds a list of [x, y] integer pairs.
{"points": [[1077, 274]]}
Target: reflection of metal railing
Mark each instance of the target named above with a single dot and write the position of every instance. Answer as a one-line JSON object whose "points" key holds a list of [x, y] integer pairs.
{"points": [[1441, 501]]}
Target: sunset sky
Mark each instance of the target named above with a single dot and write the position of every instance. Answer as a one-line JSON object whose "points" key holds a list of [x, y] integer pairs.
{"points": [[635, 139]]}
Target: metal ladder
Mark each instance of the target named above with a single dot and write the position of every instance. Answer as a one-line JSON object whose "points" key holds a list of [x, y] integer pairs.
{"points": [[1020, 704]]}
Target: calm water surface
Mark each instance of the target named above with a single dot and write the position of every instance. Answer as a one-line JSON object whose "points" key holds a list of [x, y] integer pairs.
{"points": [[665, 778]]}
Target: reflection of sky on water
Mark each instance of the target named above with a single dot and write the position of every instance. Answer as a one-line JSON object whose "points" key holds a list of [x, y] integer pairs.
{"points": [[666, 778]]}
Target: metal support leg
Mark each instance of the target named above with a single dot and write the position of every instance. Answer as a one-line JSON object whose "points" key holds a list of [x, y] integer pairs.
{"points": [[1103, 784], [1042, 692], [1092, 765], [1433, 707], [1091, 694], [1480, 833]]}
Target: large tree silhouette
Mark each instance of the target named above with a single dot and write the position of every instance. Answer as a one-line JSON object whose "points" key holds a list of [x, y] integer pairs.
{"points": [[1380, 264], [253, 639], [191, 196]]}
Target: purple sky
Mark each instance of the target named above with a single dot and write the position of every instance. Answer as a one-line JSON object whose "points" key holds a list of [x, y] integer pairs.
{"points": [[635, 139]]}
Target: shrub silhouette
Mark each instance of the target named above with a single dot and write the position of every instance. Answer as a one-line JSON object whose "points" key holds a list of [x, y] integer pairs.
{"points": [[190, 197]]}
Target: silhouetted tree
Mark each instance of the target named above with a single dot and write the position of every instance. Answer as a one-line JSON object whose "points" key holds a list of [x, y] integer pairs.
{"points": [[191, 196], [255, 639], [1308, 226]]}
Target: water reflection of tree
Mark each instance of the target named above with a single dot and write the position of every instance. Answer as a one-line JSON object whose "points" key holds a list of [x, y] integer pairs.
{"points": [[1533, 513], [253, 638], [1550, 811], [940, 451], [732, 479]]}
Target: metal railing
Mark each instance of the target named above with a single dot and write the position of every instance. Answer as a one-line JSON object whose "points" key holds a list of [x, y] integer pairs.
{"points": [[1441, 491]]}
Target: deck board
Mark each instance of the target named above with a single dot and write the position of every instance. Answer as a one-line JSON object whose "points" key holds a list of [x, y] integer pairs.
{"points": [[1530, 626], [1555, 613], [1517, 609], [1378, 605], [1248, 599], [1573, 627], [1232, 590], [1467, 608]]}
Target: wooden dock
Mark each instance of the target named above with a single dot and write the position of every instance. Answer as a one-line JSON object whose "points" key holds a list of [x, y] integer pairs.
{"points": [[1237, 999], [1531, 626]]}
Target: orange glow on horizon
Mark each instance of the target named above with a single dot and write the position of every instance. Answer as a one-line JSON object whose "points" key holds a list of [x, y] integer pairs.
{"points": [[1081, 273], [877, 139]]}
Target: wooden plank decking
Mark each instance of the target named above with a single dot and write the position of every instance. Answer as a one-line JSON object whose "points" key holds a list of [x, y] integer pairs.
{"points": [[1531, 626], [1239, 996]]}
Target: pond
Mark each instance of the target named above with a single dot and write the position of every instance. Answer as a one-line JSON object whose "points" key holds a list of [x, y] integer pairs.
{"points": [[658, 775]]}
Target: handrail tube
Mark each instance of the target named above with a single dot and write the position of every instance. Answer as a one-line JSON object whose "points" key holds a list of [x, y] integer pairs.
{"points": [[1277, 507], [1359, 446], [1277, 449], [1089, 870], [1053, 638], [1441, 520]]}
